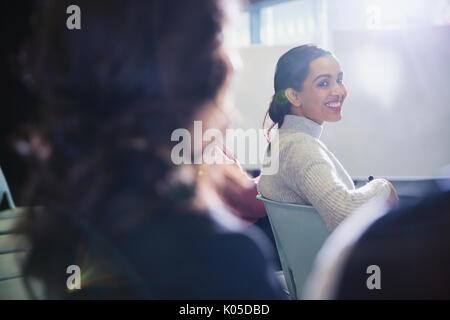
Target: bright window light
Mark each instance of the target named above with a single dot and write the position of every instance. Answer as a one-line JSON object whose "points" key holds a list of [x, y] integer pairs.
{"points": [[387, 14]]}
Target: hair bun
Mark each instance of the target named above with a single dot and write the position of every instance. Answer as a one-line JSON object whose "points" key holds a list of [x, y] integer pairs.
{"points": [[281, 98]]}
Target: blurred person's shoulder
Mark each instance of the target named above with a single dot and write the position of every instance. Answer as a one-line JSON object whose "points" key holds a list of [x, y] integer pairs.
{"points": [[212, 253]]}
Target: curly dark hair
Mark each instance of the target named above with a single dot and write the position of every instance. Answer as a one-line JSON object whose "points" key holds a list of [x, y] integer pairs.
{"points": [[18, 105], [110, 95]]}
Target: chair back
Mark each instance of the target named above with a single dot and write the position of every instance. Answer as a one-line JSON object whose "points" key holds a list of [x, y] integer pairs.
{"points": [[13, 250], [299, 233], [4, 191]]}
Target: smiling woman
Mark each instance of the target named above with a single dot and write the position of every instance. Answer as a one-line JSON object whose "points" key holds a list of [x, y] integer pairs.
{"points": [[323, 92], [310, 91]]}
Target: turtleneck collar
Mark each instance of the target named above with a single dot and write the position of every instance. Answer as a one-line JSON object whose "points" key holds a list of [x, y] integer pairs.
{"points": [[302, 124]]}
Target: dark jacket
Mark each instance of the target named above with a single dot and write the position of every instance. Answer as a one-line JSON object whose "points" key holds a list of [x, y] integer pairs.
{"points": [[188, 257]]}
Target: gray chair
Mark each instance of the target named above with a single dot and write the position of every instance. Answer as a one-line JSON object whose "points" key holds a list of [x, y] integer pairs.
{"points": [[299, 233], [13, 250], [4, 191]]}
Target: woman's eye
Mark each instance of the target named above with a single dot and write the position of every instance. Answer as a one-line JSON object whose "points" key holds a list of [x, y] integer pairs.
{"points": [[340, 81], [323, 83]]}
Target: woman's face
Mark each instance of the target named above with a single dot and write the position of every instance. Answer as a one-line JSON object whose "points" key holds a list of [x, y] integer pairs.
{"points": [[323, 91]]}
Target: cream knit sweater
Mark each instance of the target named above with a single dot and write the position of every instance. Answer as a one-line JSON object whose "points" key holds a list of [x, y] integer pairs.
{"points": [[309, 174]]}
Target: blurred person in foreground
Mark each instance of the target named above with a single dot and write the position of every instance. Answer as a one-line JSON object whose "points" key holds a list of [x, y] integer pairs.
{"points": [[115, 204]]}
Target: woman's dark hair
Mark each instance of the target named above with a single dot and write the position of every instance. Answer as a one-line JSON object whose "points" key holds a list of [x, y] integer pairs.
{"points": [[110, 96], [291, 71]]}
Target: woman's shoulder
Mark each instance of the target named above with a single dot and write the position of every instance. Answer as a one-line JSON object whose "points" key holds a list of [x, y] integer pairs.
{"points": [[291, 139], [299, 145]]}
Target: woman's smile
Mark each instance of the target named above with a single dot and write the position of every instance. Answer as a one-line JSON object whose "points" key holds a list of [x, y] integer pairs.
{"points": [[335, 104]]}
